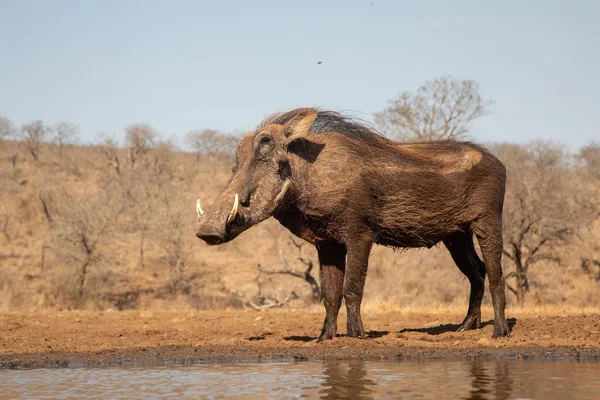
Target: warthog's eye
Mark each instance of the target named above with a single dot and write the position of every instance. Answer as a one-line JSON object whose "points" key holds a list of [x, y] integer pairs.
{"points": [[264, 145]]}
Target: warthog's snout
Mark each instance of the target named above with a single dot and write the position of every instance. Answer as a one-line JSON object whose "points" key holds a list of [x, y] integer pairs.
{"points": [[210, 234]]}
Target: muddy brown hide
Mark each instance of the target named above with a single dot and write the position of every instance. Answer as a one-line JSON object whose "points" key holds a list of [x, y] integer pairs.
{"points": [[342, 187]]}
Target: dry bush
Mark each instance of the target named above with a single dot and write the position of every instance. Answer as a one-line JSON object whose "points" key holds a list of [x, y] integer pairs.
{"points": [[176, 224], [442, 108], [64, 134], [210, 141], [109, 148], [545, 206], [7, 128], [8, 132], [144, 187], [106, 205], [33, 136], [80, 238], [139, 140]]}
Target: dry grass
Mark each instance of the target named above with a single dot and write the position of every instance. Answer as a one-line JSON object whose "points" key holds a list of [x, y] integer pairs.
{"points": [[182, 273]]}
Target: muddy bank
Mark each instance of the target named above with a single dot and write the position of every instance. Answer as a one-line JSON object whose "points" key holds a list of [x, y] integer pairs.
{"points": [[87, 338]]}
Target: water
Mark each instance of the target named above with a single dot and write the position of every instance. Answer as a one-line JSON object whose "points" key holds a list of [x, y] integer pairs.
{"points": [[328, 380]]}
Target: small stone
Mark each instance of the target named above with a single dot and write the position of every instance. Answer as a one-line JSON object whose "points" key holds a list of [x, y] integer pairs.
{"points": [[483, 341], [456, 342], [547, 336], [258, 318], [300, 357]]}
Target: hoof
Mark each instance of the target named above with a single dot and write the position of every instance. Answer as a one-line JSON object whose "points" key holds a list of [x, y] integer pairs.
{"points": [[328, 333], [357, 334], [501, 330], [324, 337], [471, 322]]}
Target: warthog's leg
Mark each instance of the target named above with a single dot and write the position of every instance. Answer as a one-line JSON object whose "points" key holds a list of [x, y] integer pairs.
{"points": [[354, 281], [489, 235], [332, 259], [460, 245]]}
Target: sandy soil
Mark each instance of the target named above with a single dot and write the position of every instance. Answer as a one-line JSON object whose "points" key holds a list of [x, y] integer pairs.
{"points": [[108, 338]]}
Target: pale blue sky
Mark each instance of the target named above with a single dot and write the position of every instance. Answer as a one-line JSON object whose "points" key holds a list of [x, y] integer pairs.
{"points": [[181, 65]]}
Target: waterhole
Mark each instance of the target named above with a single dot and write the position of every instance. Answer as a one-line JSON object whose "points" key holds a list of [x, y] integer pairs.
{"points": [[330, 380]]}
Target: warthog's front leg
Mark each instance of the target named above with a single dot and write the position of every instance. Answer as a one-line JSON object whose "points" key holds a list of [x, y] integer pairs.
{"points": [[332, 259], [358, 249]]}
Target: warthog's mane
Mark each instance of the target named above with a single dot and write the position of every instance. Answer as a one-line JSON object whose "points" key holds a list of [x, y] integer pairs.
{"points": [[331, 121]]}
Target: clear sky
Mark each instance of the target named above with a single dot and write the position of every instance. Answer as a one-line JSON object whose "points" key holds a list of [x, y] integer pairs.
{"points": [[180, 65]]}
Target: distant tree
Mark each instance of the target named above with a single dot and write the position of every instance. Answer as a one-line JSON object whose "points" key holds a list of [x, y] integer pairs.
{"points": [[589, 157], [84, 222], [33, 135], [544, 206], [65, 133], [143, 188], [442, 108], [139, 140], [110, 150], [173, 219], [210, 141], [8, 131], [160, 162], [7, 128]]}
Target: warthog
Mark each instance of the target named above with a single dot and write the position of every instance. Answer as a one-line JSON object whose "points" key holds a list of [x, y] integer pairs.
{"points": [[341, 186]]}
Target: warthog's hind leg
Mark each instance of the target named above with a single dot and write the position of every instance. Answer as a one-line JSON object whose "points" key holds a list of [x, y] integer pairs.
{"points": [[462, 250], [489, 235]]}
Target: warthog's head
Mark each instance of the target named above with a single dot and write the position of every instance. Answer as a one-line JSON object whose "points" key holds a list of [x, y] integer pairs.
{"points": [[261, 181]]}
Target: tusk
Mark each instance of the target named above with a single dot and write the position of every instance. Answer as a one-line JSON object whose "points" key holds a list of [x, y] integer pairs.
{"points": [[282, 192], [199, 209], [233, 212]]}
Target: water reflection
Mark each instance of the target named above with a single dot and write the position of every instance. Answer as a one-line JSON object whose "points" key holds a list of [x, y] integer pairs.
{"points": [[329, 380], [490, 378], [343, 380]]}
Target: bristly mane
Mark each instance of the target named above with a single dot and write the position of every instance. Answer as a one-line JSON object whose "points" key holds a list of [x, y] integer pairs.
{"points": [[361, 133], [330, 121]]}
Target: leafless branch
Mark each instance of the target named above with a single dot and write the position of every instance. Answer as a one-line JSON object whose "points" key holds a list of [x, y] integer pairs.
{"points": [[540, 257], [286, 270], [513, 291], [273, 303], [5, 228], [586, 264], [45, 207]]}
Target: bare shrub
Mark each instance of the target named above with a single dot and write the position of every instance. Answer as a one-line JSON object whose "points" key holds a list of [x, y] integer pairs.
{"points": [[84, 224], [32, 136], [210, 141], [7, 128], [306, 275], [144, 188], [139, 139], [544, 207], [442, 108], [175, 225], [65, 133], [589, 157], [109, 147], [8, 131]]}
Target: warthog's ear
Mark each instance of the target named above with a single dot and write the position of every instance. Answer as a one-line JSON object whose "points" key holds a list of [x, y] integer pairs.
{"points": [[299, 126]]}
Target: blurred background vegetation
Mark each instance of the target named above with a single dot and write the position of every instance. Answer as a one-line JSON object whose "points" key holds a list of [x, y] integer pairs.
{"points": [[107, 226]]}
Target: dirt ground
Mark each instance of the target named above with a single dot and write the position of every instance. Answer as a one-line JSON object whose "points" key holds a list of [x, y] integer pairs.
{"points": [[144, 337]]}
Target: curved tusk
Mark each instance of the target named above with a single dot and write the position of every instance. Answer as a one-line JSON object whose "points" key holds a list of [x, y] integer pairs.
{"points": [[199, 209], [233, 213], [282, 192]]}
